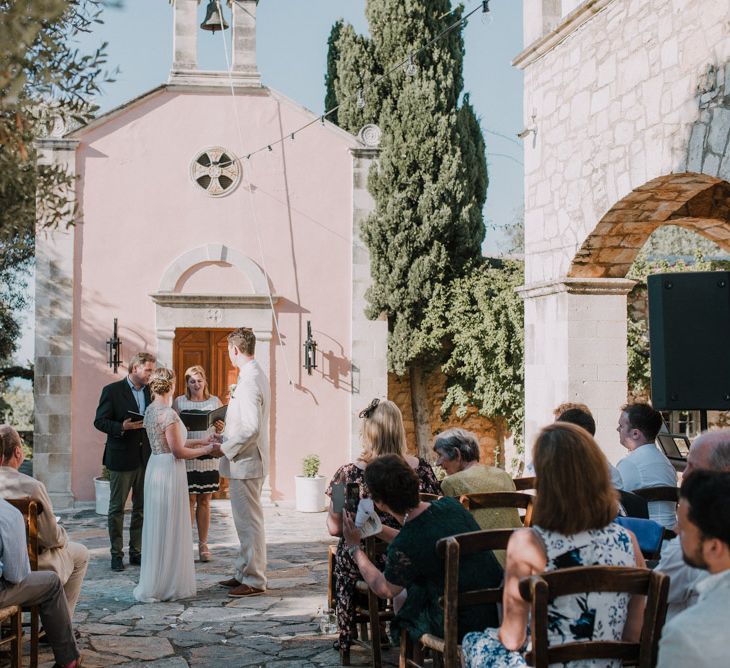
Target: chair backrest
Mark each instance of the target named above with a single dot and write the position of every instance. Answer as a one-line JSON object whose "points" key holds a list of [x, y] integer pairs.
{"points": [[522, 484], [501, 500], [538, 590], [452, 549], [425, 496], [31, 509], [661, 493]]}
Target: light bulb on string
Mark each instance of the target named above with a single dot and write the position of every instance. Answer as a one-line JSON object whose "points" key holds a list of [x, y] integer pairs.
{"points": [[410, 68], [360, 99], [270, 149], [487, 17]]}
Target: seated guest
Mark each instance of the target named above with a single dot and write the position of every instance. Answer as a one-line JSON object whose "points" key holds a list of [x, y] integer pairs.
{"points": [[584, 418], [68, 560], [414, 572], [710, 451], [572, 526], [382, 433], [20, 586], [457, 453], [646, 465], [697, 636]]}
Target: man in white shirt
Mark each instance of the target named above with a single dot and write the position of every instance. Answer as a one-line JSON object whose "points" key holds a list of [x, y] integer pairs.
{"points": [[645, 465], [710, 451], [68, 560], [697, 637], [246, 461], [20, 586]]}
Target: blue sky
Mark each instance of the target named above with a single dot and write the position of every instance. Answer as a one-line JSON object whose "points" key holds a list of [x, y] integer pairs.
{"points": [[291, 54]]}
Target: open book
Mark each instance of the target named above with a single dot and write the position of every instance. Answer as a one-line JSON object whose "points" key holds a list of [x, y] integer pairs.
{"points": [[202, 420]]}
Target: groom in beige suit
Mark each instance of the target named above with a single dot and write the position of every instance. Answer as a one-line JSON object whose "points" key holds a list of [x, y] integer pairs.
{"points": [[246, 461]]}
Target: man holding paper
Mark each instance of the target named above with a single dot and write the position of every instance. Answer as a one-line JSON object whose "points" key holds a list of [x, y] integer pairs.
{"points": [[246, 449], [126, 453]]}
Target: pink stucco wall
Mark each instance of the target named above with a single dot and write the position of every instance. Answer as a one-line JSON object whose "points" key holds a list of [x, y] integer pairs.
{"points": [[141, 211]]}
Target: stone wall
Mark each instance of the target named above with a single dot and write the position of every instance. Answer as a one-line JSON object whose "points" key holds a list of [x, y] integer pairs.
{"points": [[623, 92], [489, 432]]}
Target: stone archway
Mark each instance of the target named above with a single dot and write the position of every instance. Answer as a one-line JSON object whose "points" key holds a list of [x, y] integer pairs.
{"points": [[697, 202]]}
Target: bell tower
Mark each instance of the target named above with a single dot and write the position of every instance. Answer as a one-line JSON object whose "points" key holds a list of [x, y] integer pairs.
{"points": [[241, 42]]}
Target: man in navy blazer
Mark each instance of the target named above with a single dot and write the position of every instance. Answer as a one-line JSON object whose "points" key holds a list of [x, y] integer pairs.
{"points": [[126, 453]]}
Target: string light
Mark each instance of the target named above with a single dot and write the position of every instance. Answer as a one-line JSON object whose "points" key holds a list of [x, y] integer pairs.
{"points": [[270, 149], [486, 14], [408, 66]]}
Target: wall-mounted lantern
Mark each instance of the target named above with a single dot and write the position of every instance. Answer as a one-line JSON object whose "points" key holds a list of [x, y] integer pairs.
{"points": [[310, 350], [114, 349]]}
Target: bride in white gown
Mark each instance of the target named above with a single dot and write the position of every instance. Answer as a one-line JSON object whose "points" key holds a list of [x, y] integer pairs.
{"points": [[167, 571]]}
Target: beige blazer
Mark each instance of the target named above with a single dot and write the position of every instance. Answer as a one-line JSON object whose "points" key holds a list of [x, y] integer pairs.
{"points": [[246, 436], [52, 539]]}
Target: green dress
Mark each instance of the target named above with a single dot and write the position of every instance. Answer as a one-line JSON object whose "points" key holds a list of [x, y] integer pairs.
{"points": [[413, 563]]}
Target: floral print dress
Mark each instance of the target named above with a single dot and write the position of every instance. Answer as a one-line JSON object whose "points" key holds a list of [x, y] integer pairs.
{"points": [[590, 616], [345, 570]]}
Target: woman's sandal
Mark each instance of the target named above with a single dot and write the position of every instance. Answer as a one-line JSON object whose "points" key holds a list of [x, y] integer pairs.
{"points": [[204, 552]]}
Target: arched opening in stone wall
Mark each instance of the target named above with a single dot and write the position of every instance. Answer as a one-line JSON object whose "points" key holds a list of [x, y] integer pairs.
{"points": [[697, 202]]}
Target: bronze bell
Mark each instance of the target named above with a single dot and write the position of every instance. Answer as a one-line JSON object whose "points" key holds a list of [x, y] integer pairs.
{"points": [[213, 18]]}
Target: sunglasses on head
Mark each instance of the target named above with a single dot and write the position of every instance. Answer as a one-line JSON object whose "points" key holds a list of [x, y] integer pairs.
{"points": [[367, 412]]}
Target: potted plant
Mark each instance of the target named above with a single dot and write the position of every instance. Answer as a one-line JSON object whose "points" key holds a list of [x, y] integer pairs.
{"points": [[310, 487], [101, 486]]}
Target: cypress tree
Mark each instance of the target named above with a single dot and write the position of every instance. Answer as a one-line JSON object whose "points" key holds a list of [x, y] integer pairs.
{"points": [[430, 181]]}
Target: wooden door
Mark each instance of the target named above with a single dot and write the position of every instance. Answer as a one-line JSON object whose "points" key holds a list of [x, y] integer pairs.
{"points": [[209, 349]]}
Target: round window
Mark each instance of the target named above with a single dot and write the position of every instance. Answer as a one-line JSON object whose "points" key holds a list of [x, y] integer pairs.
{"points": [[216, 170]]}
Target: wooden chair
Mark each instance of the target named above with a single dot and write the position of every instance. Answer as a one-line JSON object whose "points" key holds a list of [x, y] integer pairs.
{"points": [[370, 613], [446, 650], [519, 500], [538, 590], [11, 618], [425, 496], [523, 484], [331, 552], [31, 509]]}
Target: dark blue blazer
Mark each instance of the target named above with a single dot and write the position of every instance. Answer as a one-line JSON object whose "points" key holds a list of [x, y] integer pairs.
{"points": [[125, 450]]}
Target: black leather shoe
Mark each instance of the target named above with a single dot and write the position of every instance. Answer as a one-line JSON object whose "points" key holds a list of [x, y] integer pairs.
{"points": [[117, 564], [135, 559]]}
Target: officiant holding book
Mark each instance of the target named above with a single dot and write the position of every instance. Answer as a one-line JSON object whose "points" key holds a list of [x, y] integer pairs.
{"points": [[203, 479], [127, 450]]}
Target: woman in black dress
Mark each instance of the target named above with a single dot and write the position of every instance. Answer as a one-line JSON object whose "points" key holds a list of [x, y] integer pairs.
{"points": [[383, 433]]}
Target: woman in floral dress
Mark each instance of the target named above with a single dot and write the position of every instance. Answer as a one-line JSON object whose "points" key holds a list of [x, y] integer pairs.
{"points": [[572, 526], [382, 433]]}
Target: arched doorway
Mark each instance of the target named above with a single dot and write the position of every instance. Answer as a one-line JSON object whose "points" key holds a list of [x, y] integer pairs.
{"points": [[576, 327]]}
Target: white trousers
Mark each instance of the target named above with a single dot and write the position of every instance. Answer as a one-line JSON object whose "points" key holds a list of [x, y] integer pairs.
{"points": [[248, 517]]}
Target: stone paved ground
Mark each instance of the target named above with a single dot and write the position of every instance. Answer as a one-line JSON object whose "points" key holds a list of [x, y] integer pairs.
{"points": [[279, 629]]}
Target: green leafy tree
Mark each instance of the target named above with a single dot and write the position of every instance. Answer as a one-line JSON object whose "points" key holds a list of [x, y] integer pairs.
{"points": [[481, 317], [430, 182], [44, 80]]}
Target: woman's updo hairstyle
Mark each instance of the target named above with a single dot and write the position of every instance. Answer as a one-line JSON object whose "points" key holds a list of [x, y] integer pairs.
{"points": [[162, 381]]}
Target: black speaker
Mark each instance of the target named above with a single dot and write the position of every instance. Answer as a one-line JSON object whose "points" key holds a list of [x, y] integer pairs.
{"points": [[689, 337]]}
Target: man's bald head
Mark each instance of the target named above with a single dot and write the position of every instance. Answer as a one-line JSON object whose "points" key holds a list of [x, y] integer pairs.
{"points": [[710, 452]]}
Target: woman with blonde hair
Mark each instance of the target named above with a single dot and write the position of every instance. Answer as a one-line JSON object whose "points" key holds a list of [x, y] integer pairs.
{"points": [[383, 433], [572, 526], [203, 476], [167, 572]]}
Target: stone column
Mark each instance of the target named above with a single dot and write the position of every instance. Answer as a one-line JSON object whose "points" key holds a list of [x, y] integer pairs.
{"points": [[54, 311], [185, 35], [575, 350], [369, 337], [243, 51]]}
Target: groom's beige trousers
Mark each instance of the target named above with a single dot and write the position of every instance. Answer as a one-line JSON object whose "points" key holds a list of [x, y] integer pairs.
{"points": [[248, 516]]}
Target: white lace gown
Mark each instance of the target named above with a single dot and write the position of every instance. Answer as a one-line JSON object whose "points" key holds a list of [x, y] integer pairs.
{"points": [[168, 570]]}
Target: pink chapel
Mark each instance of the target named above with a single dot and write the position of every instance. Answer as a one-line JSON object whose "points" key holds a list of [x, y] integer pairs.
{"points": [[181, 238]]}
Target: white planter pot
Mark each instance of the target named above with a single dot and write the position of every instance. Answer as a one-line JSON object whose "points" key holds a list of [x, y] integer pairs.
{"points": [[310, 494], [102, 496]]}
